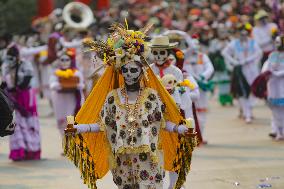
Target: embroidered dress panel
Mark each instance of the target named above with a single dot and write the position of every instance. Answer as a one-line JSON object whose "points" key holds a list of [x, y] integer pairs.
{"points": [[144, 136]]}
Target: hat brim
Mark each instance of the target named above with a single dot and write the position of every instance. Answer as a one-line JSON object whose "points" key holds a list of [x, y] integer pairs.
{"points": [[258, 17], [170, 46]]}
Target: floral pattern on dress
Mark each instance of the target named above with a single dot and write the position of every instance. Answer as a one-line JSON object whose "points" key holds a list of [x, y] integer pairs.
{"points": [[136, 153]]}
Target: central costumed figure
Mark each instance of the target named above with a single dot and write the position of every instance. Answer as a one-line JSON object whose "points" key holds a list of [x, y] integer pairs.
{"points": [[129, 124]]}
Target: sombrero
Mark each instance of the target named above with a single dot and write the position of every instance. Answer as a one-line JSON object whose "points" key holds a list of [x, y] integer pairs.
{"points": [[260, 14], [162, 42]]}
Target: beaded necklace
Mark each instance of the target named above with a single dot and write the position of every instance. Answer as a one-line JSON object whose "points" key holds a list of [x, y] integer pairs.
{"points": [[131, 115]]}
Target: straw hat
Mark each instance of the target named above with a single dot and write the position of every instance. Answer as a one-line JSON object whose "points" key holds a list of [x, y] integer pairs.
{"points": [[162, 42], [260, 14]]}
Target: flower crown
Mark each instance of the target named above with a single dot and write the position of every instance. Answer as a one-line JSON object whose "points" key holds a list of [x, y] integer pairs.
{"points": [[122, 46]]}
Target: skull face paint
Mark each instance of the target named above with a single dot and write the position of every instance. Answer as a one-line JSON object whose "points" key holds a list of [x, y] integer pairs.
{"points": [[65, 62], [160, 56], [131, 73], [169, 81], [195, 46], [279, 43], [11, 60]]}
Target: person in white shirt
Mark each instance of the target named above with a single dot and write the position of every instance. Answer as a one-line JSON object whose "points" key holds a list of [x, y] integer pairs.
{"points": [[275, 87], [222, 77], [263, 33], [244, 54], [200, 67], [166, 56]]}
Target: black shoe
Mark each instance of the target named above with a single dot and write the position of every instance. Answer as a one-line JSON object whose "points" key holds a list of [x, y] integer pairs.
{"points": [[272, 135]]}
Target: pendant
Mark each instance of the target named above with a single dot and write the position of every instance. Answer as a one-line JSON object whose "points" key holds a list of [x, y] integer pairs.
{"points": [[131, 119], [132, 143]]}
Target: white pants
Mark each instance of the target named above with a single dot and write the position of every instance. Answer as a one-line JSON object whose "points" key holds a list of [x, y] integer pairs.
{"points": [[202, 117], [278, 120], [202, 108], [246, 107], [273, 126]]}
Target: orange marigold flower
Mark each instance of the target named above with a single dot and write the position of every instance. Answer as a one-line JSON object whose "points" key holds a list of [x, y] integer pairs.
{"points": [[179, 55]]}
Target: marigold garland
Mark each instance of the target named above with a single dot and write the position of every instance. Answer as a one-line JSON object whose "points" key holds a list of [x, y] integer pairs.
{"points": [[65, 73]]}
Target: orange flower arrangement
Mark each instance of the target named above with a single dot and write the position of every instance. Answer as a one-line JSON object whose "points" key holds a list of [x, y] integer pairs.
{"points": [[65, 73]]}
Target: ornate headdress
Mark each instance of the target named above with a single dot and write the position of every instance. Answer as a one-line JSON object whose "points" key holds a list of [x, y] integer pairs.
{"points": [[122, 46], [91, 151]]}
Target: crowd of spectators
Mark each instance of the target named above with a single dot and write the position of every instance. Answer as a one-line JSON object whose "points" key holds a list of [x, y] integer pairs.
{"points": [[196, 17]]}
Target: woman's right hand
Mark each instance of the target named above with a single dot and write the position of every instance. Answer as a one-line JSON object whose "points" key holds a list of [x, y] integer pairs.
{"points": [[70, 130]]}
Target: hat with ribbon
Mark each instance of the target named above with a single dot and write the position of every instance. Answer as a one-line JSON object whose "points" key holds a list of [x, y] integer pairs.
{"points": [[162, 42]]}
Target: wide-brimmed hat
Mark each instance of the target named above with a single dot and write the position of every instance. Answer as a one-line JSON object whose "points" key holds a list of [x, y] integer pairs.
{"points": [[162, 42], [260, 14]]}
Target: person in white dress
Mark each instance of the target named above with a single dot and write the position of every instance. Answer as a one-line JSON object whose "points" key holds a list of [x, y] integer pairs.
{"points": [[275, 87], [166, 57], [263, 33], [244, 54], [198, 65], [131, 118], [66, 101]]}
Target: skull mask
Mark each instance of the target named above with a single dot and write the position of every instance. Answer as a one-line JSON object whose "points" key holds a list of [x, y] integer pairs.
{"points": [[65, 62], [131, 73], [170, 82], [160, 56], [279, 43]]}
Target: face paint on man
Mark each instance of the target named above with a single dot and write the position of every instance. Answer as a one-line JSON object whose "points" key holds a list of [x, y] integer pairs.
{"points": [[195, 47], [131, 73], [65, 62], [160, 56], [263, 21], [279, 43], [12, 57]]}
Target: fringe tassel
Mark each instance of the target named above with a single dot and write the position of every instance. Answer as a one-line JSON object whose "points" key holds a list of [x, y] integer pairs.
{"points": [[76, 150], [183, 159]]}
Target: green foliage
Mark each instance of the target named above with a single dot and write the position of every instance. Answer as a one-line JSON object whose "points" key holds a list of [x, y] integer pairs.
{"points": [[16, 15]]}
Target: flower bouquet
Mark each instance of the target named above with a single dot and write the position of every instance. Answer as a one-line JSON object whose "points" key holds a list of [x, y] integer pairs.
{"points": [[67, 79]]}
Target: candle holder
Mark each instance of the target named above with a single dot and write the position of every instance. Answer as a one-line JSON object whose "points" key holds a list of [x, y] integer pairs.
{"points": [[70, 129], [191, 133], [70, 125]]}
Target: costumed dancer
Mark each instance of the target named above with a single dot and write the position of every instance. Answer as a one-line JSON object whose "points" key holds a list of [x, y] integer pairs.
{"points": [[31, 52], [48, 60], [169, 60], [264, 32], [160, 47], [133, 120], [67, 85], [200, 67], [188, 87], [222, 72], [166, 57], [244, 54], [181, 95], [275, 87], [25, 142]]}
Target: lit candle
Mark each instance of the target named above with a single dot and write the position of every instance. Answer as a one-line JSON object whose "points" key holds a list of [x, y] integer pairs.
{"points": [[70, 120]]}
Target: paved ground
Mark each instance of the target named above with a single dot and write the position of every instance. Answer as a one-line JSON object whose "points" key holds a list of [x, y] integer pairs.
{"points": [[238, 156]]}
